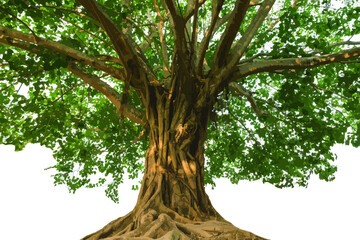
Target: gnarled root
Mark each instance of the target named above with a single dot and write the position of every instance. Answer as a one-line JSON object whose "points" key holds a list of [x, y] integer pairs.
{"points": [[163, 227]]}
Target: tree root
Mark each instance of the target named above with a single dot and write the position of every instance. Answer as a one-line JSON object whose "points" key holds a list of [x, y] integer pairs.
{"points": [[163, 227]]}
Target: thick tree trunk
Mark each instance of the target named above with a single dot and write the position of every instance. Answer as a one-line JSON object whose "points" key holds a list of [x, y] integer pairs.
{"points": [[172, 202]]}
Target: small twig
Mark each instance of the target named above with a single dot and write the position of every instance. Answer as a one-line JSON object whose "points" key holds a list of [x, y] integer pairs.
{"points": [[8, 86], [72, 11], [77, 26], [280, 111], [62, 95], [251, 134], [243, 92], [36, 38], [107, 58], [22, 75], [253, 58], [345, 62], [61, 88], [345, 43], [49, 167]]}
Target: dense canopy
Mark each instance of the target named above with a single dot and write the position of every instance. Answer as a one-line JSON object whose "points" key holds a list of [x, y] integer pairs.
{"points": [[290, 93], [183, 92]]}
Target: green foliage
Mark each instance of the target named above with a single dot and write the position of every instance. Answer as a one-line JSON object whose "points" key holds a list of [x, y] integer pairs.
{"points": [[308, 110]]}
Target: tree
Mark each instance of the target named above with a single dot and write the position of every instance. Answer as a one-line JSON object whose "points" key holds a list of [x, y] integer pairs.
{"points": [[204, 89]]}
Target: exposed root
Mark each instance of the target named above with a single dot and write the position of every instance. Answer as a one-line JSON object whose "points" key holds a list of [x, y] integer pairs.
{"points": [[163, 227]]}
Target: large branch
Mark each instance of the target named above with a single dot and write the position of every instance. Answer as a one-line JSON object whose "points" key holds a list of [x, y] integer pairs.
{"points": [[19, 44], [94, 81], [132, 59], [224, 74], [242, 44], [179, 26], [295, 63], [175, 14], [232, 28], [192, 7], [116, 99], [163, 42], [209, 33], [6, 33]]}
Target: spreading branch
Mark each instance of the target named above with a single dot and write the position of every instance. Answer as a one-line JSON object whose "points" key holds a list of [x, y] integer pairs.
{"points": [[195, 29], [73, 11], [75, 25], [241, 91], [22, 22], [132, 59], [115, 98], [223, 75], [19, 44], [178, 24], [232, 28], [61, 48], [163, 42], [295, 63], [176, 16], [4, 64], [93, 80], [193, 7], [209, 33], [242, 44]]}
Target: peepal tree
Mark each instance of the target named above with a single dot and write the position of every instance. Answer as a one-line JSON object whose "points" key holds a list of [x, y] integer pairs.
{"points": [[184, 92]]}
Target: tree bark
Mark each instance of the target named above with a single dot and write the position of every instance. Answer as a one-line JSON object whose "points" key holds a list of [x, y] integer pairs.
{"points": [[172, 202], [174, 166]]}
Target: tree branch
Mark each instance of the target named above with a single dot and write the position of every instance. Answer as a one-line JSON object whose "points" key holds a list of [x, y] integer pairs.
{"points": [[223, 75], [295, 63], [94, 81], [173, 12], [230, 32], [209, 33], [241, 91], [22, 22], [345, 43], [75, 25], [4, 64], [194, 37], [58, 47], [74, 11], [242, 44], [193, 7], [133, 60], [179, 27], [253, 58], [121, 45], [162, 41], [19, 44]]}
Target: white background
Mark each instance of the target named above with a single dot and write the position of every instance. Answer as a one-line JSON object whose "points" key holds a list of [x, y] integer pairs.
{"points": [[32, 208]]}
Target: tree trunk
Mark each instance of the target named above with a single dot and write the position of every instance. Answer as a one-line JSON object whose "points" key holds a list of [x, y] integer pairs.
{"points": [[172, 202]]}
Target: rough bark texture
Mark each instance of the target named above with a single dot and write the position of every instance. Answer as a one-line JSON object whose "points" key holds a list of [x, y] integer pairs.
{"points": [[172, 202]]}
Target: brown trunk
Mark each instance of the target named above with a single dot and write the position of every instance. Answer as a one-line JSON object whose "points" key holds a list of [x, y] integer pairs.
{"points": [[174, 167], [172, 202]]}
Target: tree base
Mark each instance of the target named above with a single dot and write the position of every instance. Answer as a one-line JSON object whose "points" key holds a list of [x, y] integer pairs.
{"points": [[163, 227]]}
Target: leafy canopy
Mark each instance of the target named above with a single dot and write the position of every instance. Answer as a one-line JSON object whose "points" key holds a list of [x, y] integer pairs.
{"points": [[277, 125]]}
